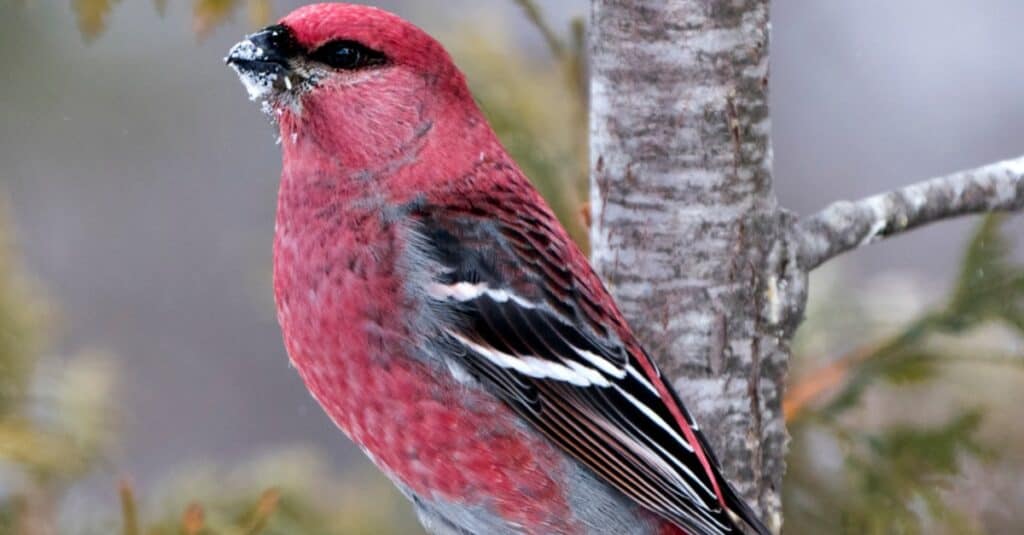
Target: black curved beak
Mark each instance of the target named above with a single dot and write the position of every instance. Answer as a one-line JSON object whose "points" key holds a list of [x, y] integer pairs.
{"points": [[263, 60], [269, 48]]}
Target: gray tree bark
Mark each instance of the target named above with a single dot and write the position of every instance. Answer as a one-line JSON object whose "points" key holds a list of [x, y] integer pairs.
{"points": [[686, 229], [684, 220]]}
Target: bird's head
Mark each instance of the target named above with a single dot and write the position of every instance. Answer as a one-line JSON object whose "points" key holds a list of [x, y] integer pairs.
{"points": [[354, 79]]}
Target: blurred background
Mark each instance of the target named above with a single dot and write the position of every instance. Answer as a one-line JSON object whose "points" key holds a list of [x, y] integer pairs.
{"points": [[142, 377]]}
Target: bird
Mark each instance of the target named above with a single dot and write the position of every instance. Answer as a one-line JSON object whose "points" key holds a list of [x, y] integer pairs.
{"points": [[440, 314]]}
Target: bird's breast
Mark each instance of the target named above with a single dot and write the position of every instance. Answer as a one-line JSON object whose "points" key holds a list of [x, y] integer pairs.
{"points": [[344, 313]]}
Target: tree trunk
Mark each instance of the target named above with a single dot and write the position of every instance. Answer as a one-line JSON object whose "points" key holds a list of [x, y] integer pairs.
{"points": [[686, 230]]}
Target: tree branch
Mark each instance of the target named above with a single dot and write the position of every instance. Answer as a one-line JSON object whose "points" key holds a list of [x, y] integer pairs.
{"points": [[847, 225], [686, 229]]}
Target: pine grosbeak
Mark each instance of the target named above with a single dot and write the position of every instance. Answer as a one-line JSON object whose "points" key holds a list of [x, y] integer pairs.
{"points": [[439, 313]]}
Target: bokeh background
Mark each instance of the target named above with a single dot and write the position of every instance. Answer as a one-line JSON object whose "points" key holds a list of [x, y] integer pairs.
{"points": [[136, 321]]}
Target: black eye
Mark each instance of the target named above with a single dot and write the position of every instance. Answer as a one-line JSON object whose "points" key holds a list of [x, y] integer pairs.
{"points": [[348, 55]]}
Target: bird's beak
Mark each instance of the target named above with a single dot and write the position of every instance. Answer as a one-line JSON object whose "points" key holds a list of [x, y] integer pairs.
{"points": [[263, 62]]}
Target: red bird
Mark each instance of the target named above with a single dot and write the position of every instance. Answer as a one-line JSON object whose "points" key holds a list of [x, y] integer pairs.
{"points": [[439, 313]]}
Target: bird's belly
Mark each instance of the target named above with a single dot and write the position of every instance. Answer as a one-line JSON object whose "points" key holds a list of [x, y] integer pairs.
{"points": [[438, 439], [464, 457], [460, 454]]}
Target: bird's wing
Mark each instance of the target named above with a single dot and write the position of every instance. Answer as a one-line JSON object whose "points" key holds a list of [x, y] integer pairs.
{"points": [[527, 316]]}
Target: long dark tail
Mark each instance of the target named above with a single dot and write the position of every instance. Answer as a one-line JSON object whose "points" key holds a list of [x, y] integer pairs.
{"points": [[739, 508]]}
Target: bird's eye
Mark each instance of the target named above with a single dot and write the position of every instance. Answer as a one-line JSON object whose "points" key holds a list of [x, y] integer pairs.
{"points": [[348, 55]]}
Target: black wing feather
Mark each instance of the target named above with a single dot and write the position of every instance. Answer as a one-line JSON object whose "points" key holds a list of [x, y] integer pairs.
{"points": [[519, 322]]}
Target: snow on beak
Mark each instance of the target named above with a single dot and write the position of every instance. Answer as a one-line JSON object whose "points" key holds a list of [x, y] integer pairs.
{"points": [[263, 62]]}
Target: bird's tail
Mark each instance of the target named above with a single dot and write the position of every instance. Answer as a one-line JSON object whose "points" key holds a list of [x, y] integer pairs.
{"points": [[736, 508], [740, 512]]}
